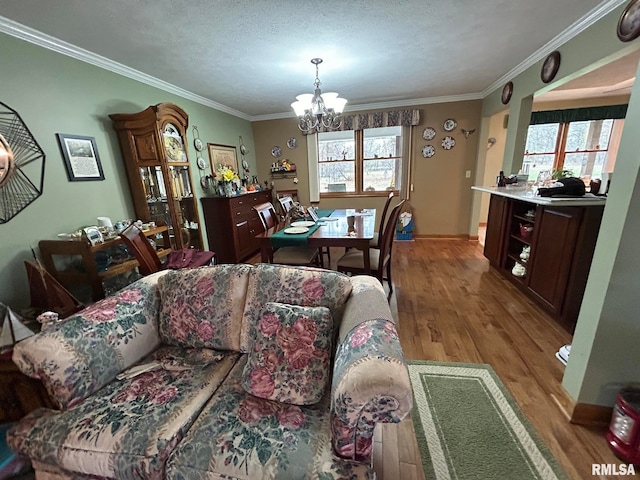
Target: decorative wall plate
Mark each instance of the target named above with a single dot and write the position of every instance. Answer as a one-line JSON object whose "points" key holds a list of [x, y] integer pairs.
{"points": [[198, 144], [429, 133], [449, 125], [550, 67], [428, 151], [201, 163], [276, 151], [292, 143], [507, 91], [448, 142], [245, 166], [243, 150], [629, 23]]}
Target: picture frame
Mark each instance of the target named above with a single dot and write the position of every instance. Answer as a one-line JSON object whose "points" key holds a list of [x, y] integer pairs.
{"points": [[81, 159], [628, 27], [507, 91], [222, 154], [550, 66]]}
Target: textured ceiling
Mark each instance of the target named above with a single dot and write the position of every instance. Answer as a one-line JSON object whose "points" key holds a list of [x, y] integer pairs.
{"points": [[253, 57]]}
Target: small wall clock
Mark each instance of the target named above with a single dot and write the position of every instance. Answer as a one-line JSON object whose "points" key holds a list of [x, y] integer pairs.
{"points": [[550, 67], [507, 91], [428, 151]]}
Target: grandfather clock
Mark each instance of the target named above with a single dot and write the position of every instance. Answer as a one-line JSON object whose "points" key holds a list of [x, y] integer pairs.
{"points": [[153, 144]]}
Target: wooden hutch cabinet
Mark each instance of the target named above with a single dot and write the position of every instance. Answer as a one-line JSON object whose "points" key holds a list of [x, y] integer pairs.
{"points": [[561, 244], [154, 148], [232, 225]]}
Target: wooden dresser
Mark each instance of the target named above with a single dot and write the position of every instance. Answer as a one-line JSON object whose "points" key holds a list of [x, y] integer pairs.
{"points": [[232, 225]]}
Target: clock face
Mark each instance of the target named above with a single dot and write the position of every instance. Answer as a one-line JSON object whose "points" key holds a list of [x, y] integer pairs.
{"points": [[174, 149]]}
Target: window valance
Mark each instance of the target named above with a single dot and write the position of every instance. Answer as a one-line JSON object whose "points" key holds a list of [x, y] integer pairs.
{"points": [[391, 118], [579, 114]]}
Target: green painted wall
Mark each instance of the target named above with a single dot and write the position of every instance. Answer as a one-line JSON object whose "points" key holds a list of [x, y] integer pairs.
{"points": [[53, 94], [605, 352]]}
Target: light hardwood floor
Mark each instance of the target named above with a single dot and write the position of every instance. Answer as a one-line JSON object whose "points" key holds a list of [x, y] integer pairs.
{"points": [[451, 306]]}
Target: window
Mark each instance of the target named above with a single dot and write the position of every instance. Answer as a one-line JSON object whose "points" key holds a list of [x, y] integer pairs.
{"points": [[580, 147], [360, 161]]}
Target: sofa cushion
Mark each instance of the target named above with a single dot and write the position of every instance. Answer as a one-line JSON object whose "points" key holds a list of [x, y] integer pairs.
{"points": [[241, 436], [76, 358], [304, 286], [202, 307], [290, 358], [128, 429]]}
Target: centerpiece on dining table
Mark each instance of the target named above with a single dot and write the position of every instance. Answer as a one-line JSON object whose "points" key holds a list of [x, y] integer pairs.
{"points": [[228, 181]]}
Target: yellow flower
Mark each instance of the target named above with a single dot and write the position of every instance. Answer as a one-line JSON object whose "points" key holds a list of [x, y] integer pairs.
{"points": [[228, 175]]}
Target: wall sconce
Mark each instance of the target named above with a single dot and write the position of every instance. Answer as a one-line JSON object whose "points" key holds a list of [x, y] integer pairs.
{"points": [[491, 142]]}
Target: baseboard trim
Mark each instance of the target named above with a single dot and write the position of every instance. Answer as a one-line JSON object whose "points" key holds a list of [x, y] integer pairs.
{"points": [[462, 236], [591, 415]]}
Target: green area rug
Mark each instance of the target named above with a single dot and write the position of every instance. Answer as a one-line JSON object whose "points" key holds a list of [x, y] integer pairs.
{"points": [[469, 427]]}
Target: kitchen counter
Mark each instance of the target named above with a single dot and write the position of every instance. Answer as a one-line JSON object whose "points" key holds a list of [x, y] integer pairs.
{"points": [[528, 195]]}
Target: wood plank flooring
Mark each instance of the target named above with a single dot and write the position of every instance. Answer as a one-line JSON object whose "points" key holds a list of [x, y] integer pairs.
{"points": [[451, 306]]}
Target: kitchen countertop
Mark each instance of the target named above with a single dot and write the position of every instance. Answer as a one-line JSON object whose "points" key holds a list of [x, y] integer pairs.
{"points": [[527, 195]]}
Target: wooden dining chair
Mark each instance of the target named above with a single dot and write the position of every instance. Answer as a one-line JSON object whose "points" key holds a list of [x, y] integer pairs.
{"points": [[374, 243], [293, 193], [294, 255], [140, 247], [380, 258], [287, 203]]}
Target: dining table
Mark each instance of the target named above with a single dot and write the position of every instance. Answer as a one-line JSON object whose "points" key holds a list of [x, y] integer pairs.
{"points": [[331, 230]]}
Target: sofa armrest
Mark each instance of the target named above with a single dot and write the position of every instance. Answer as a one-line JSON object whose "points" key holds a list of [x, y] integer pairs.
{"points": [[370, 378]]}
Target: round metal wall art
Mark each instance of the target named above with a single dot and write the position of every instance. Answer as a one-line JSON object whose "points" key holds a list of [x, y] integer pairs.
{"points": [[21, 165]]}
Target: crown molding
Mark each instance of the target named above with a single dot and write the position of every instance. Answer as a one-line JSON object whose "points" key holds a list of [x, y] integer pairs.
{"points": [[30, 35], [585, 22], [382, 105]]}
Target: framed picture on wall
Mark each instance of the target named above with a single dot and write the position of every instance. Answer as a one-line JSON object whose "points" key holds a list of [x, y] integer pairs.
{"points": [[222, 155], [81, 157]]}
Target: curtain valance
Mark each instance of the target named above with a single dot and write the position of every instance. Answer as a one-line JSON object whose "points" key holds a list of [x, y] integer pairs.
{"points": [[391, 118], [579, 114]]}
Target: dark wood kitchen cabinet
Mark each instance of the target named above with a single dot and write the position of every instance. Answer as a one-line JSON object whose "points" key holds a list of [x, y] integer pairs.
{"points": [[560, 244], [232, 225]]}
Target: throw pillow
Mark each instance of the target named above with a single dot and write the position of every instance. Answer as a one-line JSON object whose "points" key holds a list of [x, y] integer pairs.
{"points": [[202, 307], [289, 361]]}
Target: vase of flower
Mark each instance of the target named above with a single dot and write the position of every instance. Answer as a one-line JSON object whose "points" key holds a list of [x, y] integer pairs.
{"points": [[227, 180]]}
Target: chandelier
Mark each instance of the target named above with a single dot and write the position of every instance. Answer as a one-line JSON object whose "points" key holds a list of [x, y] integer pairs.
{"points": [[314, 110]]}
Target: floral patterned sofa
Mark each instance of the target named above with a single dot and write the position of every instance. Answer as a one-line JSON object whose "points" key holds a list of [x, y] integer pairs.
{"points": [[230, 371]]}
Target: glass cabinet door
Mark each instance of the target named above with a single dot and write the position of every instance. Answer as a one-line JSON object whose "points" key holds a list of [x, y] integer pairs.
{"points": [[185, 205]]}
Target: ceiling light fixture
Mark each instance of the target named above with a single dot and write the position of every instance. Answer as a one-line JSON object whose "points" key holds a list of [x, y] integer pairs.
{"points": [[318, 108]]}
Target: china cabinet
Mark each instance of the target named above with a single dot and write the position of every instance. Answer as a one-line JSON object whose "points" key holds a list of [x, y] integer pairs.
{"points": [[154, 148]]}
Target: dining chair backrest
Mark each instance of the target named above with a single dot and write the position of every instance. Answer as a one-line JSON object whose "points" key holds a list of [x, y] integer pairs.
{"points": [[384, 213], [389, 231], [286, 203], [293, 193], [267, 214], [140, 247]]}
